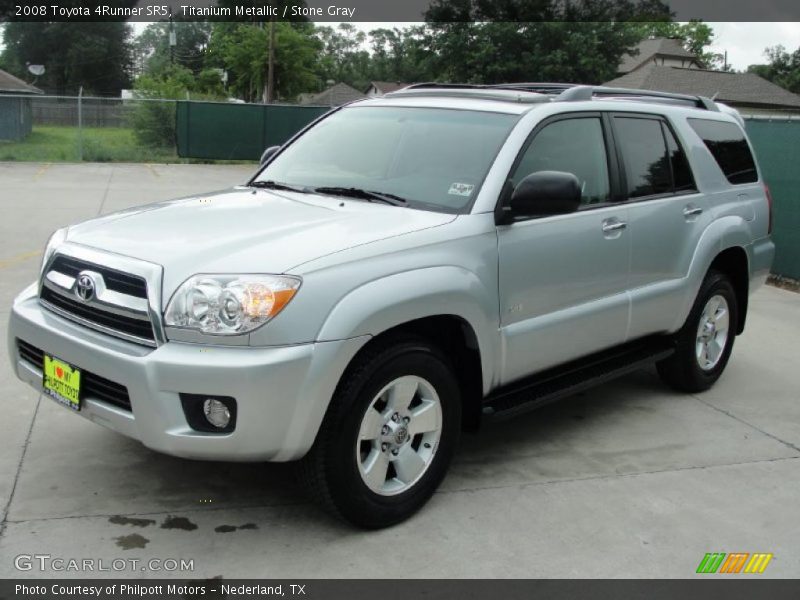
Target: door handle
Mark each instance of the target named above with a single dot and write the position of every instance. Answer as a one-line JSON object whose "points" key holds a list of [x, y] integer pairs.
{"points": [[692, 211], [612, 225]]}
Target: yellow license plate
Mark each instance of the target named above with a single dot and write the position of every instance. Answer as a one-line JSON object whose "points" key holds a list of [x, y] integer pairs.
{"points": [[62, 382]]}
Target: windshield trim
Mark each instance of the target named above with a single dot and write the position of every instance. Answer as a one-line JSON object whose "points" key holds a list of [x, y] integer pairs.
{"points": [[412, 204]]}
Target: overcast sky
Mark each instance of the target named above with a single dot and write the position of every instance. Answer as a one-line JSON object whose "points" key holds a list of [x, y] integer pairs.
{"points": [[745, 42]]}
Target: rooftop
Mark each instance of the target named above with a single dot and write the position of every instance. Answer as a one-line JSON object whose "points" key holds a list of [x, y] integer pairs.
{"points": [[386, 87], [734, 88], [14, 85], [647, 49], [336, 95]]}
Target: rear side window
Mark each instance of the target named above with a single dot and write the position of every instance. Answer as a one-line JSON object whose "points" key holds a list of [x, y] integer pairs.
{"points": [[681, 172], [644, 153], [728, 146]]}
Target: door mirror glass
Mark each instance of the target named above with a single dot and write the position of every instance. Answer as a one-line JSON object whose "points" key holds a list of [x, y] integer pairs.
{"points": [[546, 193], [269, 153]]}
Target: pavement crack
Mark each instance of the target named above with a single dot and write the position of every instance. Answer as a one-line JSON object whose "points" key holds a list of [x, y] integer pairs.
{"points": [[105, 193], [7, 507], [748, 424], [615, 475]]}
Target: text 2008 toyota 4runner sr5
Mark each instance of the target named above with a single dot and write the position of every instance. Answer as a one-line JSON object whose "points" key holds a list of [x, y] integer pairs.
{"points": [[400, 269]]}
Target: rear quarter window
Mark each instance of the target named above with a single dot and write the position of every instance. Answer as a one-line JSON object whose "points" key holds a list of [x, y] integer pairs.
{"points": [[728, 146]]}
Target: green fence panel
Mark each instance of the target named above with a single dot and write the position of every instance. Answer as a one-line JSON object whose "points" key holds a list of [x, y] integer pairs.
{"points": [[237, 131], [282, 122], [777, 147]]}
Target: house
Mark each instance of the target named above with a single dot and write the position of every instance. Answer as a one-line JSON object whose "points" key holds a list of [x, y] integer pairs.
{"points": [[664, 52], [336, 95], [379, 88], [16, 113], [746, 92], [662, 66]]}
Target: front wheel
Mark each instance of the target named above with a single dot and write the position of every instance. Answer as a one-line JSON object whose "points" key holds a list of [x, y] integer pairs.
{"points": [[704, 343], [388, 436]]}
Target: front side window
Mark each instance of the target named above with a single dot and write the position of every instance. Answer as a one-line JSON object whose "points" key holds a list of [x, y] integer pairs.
{"points": [[574, 146], [728, 146], [644, 153], [436, 159]]}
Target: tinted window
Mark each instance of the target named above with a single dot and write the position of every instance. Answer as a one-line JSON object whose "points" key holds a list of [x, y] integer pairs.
{"points": [[729, 148], [681, 172], [645, 155], [574, 146]]}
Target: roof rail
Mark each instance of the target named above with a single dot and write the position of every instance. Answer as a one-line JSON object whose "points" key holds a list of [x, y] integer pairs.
{"points": [[466, 90], [557, 92], [587, 92]]}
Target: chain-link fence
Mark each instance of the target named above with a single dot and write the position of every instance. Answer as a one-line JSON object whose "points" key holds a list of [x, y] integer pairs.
{"points": [[80, 128], [75, 128]]}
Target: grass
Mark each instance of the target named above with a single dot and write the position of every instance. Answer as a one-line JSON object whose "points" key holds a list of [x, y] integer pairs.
{"points": [[100, 144]]}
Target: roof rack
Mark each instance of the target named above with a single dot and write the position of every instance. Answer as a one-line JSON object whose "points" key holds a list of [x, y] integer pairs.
{"points": [[482, 92], [588, 92], [557, 92]]}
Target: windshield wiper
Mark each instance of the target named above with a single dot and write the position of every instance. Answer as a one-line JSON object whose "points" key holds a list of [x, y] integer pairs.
{"points": [[368, 195], [277, 185]]}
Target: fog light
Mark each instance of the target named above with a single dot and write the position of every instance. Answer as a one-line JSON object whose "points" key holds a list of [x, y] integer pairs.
{"points": [[211, 414], [216, 413]]}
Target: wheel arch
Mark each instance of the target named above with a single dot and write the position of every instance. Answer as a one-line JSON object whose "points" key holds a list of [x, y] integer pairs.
{"points": [[455, 337], [733, 262]]}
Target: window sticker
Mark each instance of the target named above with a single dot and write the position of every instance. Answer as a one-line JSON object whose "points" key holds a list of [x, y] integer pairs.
{"points": [[461, 189]]}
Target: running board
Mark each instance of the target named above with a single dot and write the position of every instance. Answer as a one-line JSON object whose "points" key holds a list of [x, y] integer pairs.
{"points": [[573, 377]]}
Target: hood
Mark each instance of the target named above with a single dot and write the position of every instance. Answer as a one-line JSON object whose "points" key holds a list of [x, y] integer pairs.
{"points": [[246, 231]]}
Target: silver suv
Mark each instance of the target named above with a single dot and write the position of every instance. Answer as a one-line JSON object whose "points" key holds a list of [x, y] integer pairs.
{"points": [[401, 269]]}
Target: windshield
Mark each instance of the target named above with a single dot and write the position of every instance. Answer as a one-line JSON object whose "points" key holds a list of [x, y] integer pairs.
{"points": [[432, 158]]}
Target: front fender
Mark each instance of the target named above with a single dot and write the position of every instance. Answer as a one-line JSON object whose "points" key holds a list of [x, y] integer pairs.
{"points": [[390, 301]]}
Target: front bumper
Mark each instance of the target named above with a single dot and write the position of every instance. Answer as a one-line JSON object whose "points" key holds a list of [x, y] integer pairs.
{"points": [[282, 392]]}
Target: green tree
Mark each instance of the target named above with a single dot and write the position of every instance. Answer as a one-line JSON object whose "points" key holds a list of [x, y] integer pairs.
{"points": [[241, 49], [153, 120], [484, 41], [400, 55], [153, 53], [782, 68], [343, 56], [95, 55]]}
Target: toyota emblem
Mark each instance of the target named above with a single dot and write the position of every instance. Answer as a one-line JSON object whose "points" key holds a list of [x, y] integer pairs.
{"points": [[85, 287]]}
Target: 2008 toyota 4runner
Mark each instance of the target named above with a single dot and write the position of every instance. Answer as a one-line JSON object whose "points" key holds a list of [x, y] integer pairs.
{"points": [[399, 270]]}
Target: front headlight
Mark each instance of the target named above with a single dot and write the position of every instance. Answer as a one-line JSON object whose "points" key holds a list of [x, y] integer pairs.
{"points": [[58, 238], [229, 304]]}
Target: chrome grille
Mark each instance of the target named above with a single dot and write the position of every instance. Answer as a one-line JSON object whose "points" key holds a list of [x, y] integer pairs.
{"points": [[99, 297], [124, 283]]}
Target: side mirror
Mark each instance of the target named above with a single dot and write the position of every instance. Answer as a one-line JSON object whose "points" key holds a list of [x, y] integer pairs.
{"points": [[268, 153], [545, 193]]}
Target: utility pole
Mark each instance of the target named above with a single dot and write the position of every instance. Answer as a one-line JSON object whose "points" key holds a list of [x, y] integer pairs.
{"points": [[269, 89], [173, 41]]}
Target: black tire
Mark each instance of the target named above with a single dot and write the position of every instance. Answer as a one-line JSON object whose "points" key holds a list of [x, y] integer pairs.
{"points": [[330, 471], [682, 370]]}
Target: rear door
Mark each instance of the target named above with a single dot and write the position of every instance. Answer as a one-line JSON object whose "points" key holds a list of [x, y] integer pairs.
{"points": [[667, 217], [563, 278]]}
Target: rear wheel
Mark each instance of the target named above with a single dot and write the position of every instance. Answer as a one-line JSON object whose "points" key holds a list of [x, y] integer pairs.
{"points": [[705, 342], [388, 436]]}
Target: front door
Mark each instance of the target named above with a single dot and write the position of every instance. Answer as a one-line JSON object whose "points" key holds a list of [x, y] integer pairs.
{"points": [[563, 279]]}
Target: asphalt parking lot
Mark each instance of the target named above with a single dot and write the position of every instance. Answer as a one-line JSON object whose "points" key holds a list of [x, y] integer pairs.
{"points": [[628, 480]]}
